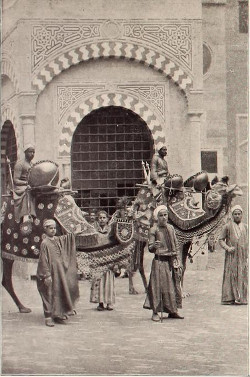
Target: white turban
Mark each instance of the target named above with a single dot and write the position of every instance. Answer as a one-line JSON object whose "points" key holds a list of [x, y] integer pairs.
{"points": [[158, 209], [27, 146], [48, 222], [160, 145], [236, 207]]}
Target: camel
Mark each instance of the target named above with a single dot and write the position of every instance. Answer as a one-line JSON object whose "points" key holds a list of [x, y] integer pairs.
{"points": [[197, 208]]}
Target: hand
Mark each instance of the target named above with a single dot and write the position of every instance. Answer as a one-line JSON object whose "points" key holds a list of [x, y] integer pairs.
{"points": [[48, 281], [176, 263], [157, 244], [231, 249]]}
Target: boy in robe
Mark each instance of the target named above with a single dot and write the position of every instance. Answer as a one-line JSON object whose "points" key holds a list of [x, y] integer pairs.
{"points": [[57, 275], [164, 290], [103, 290]]}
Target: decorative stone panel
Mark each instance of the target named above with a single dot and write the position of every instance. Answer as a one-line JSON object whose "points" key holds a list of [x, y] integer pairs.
{"points": [[175, 38], [153, 95], [104, 100], [67, 95], [164, 46], [112, 49]]}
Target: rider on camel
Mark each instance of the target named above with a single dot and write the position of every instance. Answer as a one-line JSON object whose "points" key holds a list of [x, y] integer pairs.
{"points": [[159, 166], [23, 201]]}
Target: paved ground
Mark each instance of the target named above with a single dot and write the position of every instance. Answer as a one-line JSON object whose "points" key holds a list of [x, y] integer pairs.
{"points": [[211, 340]]}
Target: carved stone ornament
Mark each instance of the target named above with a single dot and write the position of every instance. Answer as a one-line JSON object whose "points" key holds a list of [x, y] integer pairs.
{"points": [[54, 38]]}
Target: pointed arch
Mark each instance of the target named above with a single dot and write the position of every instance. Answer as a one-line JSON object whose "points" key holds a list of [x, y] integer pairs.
{"points": [[105, 100], [8, 70], [8, 115], [120, 50]]}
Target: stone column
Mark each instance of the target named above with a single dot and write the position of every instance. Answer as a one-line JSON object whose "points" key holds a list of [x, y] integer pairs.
{"points": [[195, 110], [28, 125], [64, 167], [27, 112], [195, 142]]}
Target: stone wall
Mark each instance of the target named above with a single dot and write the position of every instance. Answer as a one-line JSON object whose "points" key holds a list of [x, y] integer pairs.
{"points": [[107, 53]]}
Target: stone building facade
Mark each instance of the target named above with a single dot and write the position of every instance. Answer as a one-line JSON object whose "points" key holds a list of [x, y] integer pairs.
{"points": [[97, 86]]}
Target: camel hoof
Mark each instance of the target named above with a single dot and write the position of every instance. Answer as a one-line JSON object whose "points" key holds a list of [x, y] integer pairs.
{"points": [[24, 310], [133, 292]]}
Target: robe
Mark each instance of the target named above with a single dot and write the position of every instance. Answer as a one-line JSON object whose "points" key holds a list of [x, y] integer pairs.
{"points": [[235, 275], [58, 260], [103, 290], [24, 203], [164, 290], [159, 168]]}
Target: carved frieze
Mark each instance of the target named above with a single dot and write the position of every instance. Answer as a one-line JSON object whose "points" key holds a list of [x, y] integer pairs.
{"points": [[48, 39], [175, 38], [172, 38]]}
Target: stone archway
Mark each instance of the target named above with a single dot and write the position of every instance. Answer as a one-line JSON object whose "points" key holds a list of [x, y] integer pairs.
{"points": [[8, 150], [8, 115], [8, 70], [121, 50], [104, 100]]}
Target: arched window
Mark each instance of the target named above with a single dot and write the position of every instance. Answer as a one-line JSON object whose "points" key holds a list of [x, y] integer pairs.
{"points": [[107, 151]]}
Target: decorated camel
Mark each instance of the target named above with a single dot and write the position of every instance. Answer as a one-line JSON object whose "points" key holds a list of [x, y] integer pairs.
{"points": [[97, 253], [197, 209]]}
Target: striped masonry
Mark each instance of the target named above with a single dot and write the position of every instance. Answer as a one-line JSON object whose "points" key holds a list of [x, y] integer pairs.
{"points": [[104, 100], [128, 51]]}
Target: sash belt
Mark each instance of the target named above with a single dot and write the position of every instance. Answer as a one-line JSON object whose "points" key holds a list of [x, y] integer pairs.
{"points": [[163, 258]]}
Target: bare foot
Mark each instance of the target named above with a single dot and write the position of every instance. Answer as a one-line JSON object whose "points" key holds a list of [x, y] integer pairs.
{"points": [[132, 291]]}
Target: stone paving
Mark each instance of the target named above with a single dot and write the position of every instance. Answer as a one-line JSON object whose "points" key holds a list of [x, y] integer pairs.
{"points": [[211, 340]]}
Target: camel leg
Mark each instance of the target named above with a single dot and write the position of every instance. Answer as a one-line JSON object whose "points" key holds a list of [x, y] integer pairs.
{"points": [[185, 249], [132, 290], [141, 267], [7, 284]]}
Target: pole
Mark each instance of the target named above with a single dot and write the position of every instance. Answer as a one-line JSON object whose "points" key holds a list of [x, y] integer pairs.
{"points": [[10, 173], [161, 303]]}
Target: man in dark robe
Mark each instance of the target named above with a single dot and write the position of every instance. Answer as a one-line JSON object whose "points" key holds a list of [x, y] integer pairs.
{"points": [[24, 205], [159, 167], [234, 241], [57, 275], [164, 290]]}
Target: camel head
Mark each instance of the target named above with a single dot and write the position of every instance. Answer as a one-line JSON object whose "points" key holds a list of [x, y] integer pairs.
{"points": [[229, 193]]}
